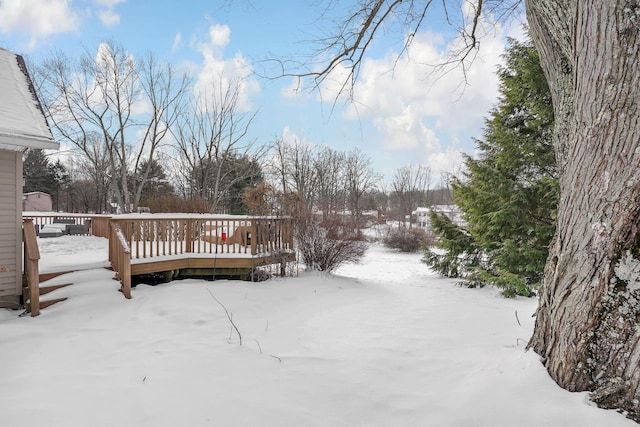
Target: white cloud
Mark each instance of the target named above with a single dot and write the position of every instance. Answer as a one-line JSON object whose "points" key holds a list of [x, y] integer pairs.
{"points": [[109, 3], [220, 35], [421, 114], [37, 19], [107, 13], [177, 42], [219, 72], [406, 130], [289, 136], [109, 18], [443, 163]]}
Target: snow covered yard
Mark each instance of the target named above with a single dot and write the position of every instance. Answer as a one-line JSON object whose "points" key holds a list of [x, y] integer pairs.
{"points": [[382, 343]]}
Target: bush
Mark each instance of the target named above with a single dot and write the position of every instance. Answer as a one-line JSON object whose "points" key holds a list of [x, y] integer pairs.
{"points": [[173, 203], [406, 239], [324, 247]]}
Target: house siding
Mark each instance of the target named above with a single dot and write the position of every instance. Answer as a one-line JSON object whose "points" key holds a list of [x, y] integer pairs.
{"points": [[22, 126], [10, 227]]}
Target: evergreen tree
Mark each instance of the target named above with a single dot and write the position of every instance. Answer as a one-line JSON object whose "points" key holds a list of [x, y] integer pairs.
{"points": [[247, 173], [42, 175], [509, 193], [156, 184], [224, 181], [36, 172]]}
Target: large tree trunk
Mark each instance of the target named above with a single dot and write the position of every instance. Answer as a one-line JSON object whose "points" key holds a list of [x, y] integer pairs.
{"points": [[588, 321]]}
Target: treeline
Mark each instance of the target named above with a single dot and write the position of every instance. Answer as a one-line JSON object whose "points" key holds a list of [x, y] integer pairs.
{"points": [[288, 178], [143, 135]]}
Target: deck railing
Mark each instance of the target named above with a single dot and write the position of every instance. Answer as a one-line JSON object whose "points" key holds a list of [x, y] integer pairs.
{"points": [[120, 254], [98, 224], [146, 236], [157, 235]]}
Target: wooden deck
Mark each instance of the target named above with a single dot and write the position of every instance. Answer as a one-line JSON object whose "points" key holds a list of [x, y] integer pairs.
{"points": [[196, 245], [185, 245]]}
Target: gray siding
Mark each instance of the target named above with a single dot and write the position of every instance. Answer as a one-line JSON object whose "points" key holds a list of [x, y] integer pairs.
{"points": [[10, 225]]}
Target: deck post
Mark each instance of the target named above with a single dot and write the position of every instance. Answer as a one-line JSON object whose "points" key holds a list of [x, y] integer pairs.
{"points": [[125, 273], [31, 258], [113, 249], [122, 266]]}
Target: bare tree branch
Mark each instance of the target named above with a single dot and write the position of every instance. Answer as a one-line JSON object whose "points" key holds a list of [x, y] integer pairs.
{"points": [[353, 36]]}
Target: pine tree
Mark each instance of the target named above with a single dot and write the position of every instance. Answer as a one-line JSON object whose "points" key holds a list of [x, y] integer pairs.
{"points": [[509, 193], [156, 184], [42, 175]]}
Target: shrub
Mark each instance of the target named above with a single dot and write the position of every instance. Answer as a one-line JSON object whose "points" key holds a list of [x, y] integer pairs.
{"points": [[406, 239], [326, 246]]}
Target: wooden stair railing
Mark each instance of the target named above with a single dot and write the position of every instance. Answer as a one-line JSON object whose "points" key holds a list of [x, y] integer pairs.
{"points": [[31, 259], [120, 257], [35, 288]]}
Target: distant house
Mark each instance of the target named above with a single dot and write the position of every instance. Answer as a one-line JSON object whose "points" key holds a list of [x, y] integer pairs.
{"points": [[451, 211], [37, 201], [22, 126]]}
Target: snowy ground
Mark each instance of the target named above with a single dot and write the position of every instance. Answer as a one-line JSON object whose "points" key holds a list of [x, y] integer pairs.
{"points": [[382, 343]]}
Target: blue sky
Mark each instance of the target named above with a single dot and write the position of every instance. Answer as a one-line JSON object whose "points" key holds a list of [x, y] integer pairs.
{"points": [[401, 116]]}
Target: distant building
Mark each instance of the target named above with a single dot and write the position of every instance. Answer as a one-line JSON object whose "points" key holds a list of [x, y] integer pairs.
{"points": [[37, 201], [451, 211], [22, 126]]}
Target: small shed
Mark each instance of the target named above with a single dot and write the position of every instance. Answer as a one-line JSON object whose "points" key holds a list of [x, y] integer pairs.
{"points": [[22, 126], [37, 201]]}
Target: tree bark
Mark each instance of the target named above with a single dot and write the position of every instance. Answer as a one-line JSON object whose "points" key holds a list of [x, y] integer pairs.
{"points": [[588, 321]]}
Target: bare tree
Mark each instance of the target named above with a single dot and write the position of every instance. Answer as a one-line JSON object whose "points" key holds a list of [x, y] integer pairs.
{"points": [[588, 322], [300, 156], [360, 178], [410, 188], [330, 179], [292, 169], [277, 166], [165, 91], [96, 167], [106, 95], [213, 144]]}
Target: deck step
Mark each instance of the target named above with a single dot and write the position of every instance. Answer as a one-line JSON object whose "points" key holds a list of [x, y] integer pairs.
{"points": [[46, 289], [48, 276], [50, 302]]}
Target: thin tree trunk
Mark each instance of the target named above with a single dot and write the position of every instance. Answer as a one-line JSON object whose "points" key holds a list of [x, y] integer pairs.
{"points": [[588, 321]]}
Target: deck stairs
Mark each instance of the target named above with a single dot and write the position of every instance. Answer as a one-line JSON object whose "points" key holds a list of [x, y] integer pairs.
{"points": [[44, 288]]}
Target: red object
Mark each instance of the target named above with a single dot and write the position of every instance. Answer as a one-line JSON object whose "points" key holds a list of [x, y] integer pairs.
{"points": [[224, 237]]}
